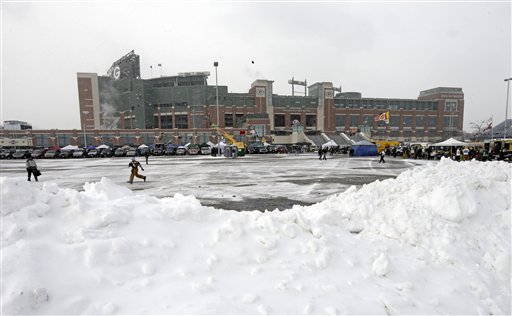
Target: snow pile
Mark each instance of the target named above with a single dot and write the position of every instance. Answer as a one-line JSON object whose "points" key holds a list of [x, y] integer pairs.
{"points": [[436, 240]]}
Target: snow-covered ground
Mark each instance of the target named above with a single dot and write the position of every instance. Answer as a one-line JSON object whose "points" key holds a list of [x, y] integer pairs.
{"points": [[435, 240]]}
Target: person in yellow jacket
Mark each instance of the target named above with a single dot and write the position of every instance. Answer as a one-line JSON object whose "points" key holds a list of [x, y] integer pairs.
{"points": [[134, 164]]}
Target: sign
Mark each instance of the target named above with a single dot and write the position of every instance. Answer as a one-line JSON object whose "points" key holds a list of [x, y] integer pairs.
{"points": [[260, 92], [300, 83]]}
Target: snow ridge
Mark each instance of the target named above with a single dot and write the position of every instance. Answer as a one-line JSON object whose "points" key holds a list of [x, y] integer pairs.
{"points": [[435, 240]]}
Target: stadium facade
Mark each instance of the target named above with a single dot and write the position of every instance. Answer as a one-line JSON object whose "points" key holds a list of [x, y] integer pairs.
{"points": [[122, 108], [122, 100]]}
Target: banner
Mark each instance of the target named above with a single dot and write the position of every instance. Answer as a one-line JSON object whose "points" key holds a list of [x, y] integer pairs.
{"points": [[384, 116]]}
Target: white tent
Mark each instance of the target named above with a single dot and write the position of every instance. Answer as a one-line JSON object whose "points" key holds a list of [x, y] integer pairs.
{"points": [[330, 143], [142, 146], [70, 147], [102, 146], [451, 142]]}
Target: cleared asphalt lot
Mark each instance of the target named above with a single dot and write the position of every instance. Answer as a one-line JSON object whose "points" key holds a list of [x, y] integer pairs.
{"points": [[253, 182]]}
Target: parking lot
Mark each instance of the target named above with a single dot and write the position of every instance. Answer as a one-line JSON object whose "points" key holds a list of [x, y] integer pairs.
{"points": [[253, 182]]}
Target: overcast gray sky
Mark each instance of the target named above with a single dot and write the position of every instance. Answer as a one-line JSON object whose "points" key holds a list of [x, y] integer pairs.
{"points": [[381, 49]]}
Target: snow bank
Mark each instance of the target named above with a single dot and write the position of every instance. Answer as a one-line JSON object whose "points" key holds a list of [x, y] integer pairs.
{"points": [[436, 240]]}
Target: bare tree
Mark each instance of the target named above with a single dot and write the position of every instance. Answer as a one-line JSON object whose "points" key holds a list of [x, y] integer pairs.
{"points": [[477, 127]]}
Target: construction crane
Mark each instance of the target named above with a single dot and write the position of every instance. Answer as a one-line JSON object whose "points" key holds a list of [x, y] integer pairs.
{"points": [[239, 145]]}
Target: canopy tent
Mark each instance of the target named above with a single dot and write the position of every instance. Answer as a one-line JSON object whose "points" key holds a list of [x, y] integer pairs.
{"points": [[364, 148], [330, 143], [451, 142], [70, 147], [143, 146], [102, 146]]}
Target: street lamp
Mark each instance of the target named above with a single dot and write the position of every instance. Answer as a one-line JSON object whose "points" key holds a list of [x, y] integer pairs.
{"points": [[215, 64], [506, 108], [131, 117], [85, 125]]}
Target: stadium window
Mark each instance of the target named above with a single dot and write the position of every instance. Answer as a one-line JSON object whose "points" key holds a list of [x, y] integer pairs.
{"points": [[354, 120], [340, 121], [310, 120], [450, 106], [432, 121], [182, 121], [228, 120], [408, 120], [393, 120], [279, 120], [420, 121], [294, 117]]}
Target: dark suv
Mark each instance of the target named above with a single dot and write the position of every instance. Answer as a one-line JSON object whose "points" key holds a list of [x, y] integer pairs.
{"points": [[38, 153]]}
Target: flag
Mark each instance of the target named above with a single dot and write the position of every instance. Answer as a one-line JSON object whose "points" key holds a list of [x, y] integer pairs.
{"points": [[489, 125], [384, 116]]}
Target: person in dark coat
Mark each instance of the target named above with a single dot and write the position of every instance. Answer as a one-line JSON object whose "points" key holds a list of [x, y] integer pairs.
{"points": [[31, 168], [134, 164], [382, 154], [146, 154]]}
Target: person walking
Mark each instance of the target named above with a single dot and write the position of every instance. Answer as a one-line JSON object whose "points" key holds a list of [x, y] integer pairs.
{"points": [[32, 168], [146, 154], [382, 154], [320, 151], [134, 164]]}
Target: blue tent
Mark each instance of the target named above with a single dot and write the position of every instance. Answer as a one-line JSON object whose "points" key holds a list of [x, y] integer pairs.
{"points": [[364, 148]]}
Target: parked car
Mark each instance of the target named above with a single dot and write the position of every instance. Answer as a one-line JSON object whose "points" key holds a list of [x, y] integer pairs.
{"points": [[80, 153], [65, 154], [121, 151], [206, 150], [194, 150], [6, 154], [132, 152], [141, 151], [257, 149], [20, 154], [282, 149], [170, 151], [93, 153], [38, 153], [182, 150], [51, 153], [106, 152], [158, 151]]}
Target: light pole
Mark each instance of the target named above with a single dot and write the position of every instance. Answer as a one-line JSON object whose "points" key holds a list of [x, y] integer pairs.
{"points": [[131, 117], [85, 125], [506, 108], [215, 64]]}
